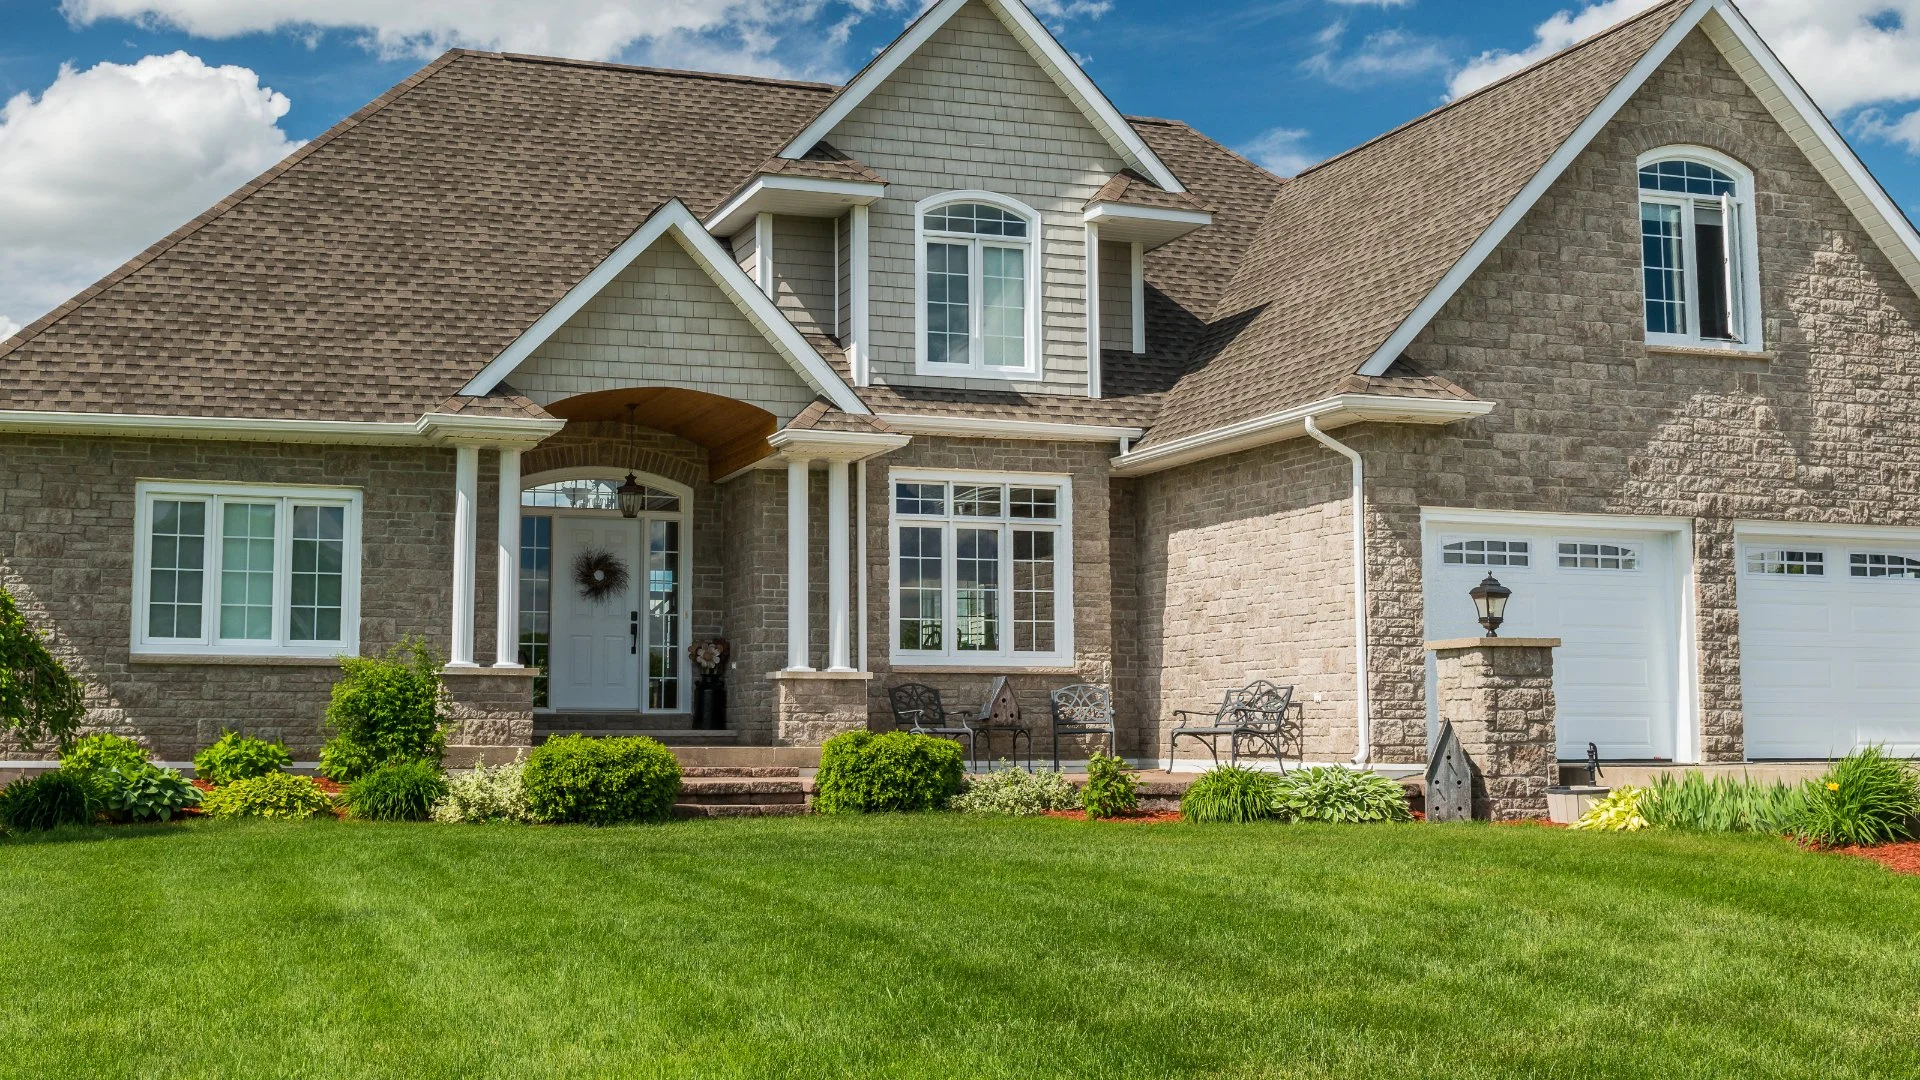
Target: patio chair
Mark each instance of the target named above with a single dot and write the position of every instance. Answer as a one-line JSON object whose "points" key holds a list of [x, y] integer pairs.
{"points": [[1082, 709], [1001, 715], [917, 708], [1258, 714]]}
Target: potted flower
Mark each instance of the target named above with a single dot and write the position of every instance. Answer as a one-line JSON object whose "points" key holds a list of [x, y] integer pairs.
{"points": [[710, 687]]}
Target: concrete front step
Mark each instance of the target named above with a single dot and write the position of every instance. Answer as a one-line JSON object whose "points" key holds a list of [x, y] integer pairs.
{"points": [[729, 810]]}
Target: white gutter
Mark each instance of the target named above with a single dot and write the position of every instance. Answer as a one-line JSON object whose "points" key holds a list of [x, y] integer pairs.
{"points": [[1363, 707], [431, 429], [1335, 411], [982, 427]]}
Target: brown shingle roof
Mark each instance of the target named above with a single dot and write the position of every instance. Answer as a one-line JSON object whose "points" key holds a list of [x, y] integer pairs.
{"points": [[822, 416], [823, 162], [1351, 246], [1129, 188]]}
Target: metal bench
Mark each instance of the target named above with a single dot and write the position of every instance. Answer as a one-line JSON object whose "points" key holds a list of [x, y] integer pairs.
{"points": [[1257, 715]]}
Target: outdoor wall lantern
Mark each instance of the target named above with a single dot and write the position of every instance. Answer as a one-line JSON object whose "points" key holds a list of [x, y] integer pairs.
{"points": [[1490, 600], [631, 494]]}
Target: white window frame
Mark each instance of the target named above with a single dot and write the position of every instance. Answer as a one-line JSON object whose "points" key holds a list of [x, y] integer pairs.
{"points": [[1762, 549], [214, 494], [1625, 549], [1035, 247], [1492, 568], [1908, 557], [1063, 601], [1747, 309]]}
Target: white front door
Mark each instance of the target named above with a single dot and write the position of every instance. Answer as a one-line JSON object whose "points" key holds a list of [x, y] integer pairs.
{"points": [[595, 659], [1613, 598], [1829, 643]]}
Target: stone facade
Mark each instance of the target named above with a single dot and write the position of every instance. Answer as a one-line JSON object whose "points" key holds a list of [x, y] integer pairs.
{"points": [[490, 708], [810, 708], [1498, 694]]}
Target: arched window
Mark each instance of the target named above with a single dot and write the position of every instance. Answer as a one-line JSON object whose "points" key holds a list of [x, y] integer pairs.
{"points": [[978, 286], [1696, 252]]}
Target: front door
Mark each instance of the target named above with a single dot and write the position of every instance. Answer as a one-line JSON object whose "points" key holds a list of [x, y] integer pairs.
{"points": [[595, 661]]}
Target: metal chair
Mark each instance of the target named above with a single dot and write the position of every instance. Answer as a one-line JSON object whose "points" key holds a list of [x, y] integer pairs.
{"points": [[918, 708], [1001, 714], [1082, 709], [1256, 714]]}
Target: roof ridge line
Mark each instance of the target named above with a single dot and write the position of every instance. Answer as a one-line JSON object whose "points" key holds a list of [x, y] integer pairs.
{"points": [[1503, 80], [235, 198], [690, 73]]}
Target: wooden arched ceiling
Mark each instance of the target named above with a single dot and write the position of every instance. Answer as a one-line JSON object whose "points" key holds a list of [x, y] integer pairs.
{"points": [[734, 432]]}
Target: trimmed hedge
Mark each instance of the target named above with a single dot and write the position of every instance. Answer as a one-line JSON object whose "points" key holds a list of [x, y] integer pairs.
{"points": [[861, 772], [601, 781]]}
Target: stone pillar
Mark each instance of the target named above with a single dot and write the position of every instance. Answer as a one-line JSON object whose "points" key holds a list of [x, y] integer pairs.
{"points": [[1498, 692], [810, 707], [492, 714]]}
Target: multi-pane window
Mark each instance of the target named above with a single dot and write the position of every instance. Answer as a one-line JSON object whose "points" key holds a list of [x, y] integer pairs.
{"points": [[1588, 555], [1693, 255], [1878, 564], [536, 601], [246, 571], [977, 278], [663, 614], [594, 495], [1788, 561], [979, 571], [1485, 553]]}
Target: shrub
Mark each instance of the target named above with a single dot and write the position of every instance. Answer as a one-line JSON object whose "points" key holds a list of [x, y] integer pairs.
{"points": [[1227, 793], [147, 793], [861, 772], [1865, 798], [275, 795], [54, 798], [601, 781], [1112, 787], [1017, 792], [1334, 794], [483, 795], [1722, 804], [38, 699], [91, 758], [238, 757], [397, 791], [385, 709], [1618, 812]]}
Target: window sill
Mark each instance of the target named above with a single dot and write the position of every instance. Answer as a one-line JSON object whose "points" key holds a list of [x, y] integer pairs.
{"points": [[236, 660], [485, 669], [929, 371], [1009, 668], [1711, 352]]}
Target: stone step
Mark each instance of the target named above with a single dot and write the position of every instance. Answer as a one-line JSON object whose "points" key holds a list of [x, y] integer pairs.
{"points": [[669, 736], [731, 810], [742, 791], [702, 771]]}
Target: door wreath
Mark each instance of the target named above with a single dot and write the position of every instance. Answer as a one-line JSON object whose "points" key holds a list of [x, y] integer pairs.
{"points": [[599, 574]]}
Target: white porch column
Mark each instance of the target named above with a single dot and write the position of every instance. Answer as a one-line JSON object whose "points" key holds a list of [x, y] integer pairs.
{"points": [[506, 653], [857, 261], [797, 582], [466, 494], [1093, 310], [839, 560]]}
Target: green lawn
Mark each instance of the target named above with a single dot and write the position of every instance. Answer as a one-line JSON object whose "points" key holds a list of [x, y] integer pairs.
{"points": [[941, 946]]}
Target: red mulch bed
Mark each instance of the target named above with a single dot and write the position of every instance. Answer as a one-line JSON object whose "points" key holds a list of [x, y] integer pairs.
{"points": [[1900, 858], [1148, 817]]}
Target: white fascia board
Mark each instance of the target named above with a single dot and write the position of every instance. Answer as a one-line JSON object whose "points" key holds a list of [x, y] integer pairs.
{"points": [[1106, 213], [1464, 268], [700, 245], [492, 430], [980, 427], [838, 445], [431, 428], [733, 216], [1336, 411], [1816, 136], [1045, 50]]}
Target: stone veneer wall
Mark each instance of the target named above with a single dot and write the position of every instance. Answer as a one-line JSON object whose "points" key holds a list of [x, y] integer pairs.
{"points": [[755, 511], [66, 554], [1824, 428]]}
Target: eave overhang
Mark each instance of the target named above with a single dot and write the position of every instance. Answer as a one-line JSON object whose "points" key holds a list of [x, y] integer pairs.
{"points": [[797, 196], [1149, 226], [1339, 410], [430, 430]]}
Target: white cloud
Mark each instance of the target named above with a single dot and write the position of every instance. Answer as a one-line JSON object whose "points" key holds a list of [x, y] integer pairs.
{"points": [[1381, 55], [8, 328], [1847, 53], [1280, 150], [110, 159]]}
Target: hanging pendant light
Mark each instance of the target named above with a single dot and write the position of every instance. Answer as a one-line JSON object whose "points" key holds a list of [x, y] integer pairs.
{"points": [[631, 494]]}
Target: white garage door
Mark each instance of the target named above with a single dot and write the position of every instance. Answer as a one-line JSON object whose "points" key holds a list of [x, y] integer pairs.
{"points": [[1829, 645], [1613, 598]]}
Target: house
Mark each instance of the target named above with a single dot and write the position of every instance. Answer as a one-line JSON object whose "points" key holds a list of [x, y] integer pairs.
{"points": [[955, 371]]}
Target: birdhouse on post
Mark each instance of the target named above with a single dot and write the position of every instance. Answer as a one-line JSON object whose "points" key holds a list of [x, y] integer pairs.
{"points": [[1449, 779]]}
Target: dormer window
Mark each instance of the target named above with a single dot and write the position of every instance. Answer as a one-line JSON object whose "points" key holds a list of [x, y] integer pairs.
{"points": [[978, 284], [1702, 282]]}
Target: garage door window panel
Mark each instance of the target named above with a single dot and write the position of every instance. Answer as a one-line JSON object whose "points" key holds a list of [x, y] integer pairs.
{"points": [[1877, 564], [1485, 552], [1588, 555], [1787, 562]]}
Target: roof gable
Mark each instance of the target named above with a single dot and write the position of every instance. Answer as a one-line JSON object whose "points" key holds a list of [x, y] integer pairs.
{"points": [[1039, 43]]}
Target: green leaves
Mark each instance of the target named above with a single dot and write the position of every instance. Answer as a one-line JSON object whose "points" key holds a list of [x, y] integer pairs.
{"points": [[275, 795], [601, 781], [237, 757], [1334, 794], [861, 772], [47, 801], [147, 792], [397, 791], [38, 699], [385, 709], [1228, 793], [1017, 793], [1620, 811], [1112, 787], [1865, 798]]}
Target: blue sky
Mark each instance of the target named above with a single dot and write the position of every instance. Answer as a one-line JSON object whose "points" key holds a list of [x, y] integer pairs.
{"points": [[125, 117]]}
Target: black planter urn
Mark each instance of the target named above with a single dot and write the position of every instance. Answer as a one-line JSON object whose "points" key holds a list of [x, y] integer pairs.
{"points": [[710, 702]]}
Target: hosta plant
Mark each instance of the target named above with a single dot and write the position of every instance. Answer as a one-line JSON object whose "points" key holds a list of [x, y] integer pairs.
{"points": [[1618, 812], [1017, 793], [1866, 798], [1113, 788], [237, 757], [91, 758], [1333, 794], [1228, 793], [275, 795], [147, 793]]}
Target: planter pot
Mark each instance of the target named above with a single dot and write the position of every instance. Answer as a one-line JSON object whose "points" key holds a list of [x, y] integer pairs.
{"points": [[1566, 804], [710, 703]]}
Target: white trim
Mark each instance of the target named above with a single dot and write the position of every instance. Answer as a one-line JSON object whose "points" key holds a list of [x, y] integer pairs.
{"points": [[1336, 411], [1744, 529], [839, 570], [466, 489], [721, 222], [763, 252], [986, 427], [1362, 680], [836, 282], [429, 429], [1034, 244], [799, 645], [1102, 212], [1063, 602], [858, 276], [860, 561], [208, 644], [1457, 275], [1045, 50], [1093, 309], [1137, 297], [1742, 233], [836, 445], [506, 651], [673, 216]]}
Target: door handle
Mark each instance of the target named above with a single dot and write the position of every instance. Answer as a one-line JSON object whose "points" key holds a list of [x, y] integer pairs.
{"points": [[633, 631]]}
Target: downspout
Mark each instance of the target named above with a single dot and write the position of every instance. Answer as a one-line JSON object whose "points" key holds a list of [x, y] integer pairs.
{"points": [[1360, 679]]}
